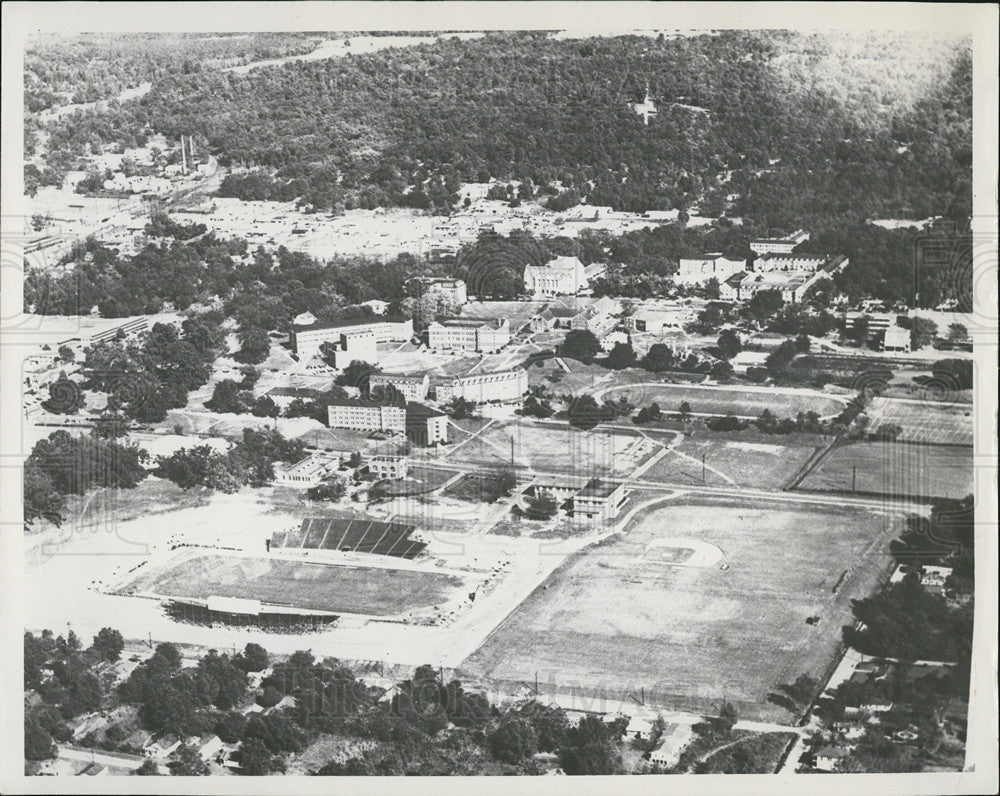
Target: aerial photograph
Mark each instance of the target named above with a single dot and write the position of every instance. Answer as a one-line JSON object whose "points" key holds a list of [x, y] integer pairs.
{"points": [[486, 402]]}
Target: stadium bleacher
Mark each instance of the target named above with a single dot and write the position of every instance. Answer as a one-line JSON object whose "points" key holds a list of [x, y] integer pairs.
{"points": [[356, 536]]}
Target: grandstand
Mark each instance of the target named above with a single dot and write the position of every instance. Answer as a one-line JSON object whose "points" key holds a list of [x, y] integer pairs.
{"points": [[350, 535]]}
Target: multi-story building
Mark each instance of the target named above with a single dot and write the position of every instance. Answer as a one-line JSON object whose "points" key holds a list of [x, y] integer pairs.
{"points": [[352, 345], [695, 270], [420, 423], [386, 465], [484, 335], [782, 245], [729, 289], [412, 388], [502, 385], [563, 276], [424, 425], [799, 263], [454, 289], [599, 499], [307, 338], [358, 415], [790, 275]]}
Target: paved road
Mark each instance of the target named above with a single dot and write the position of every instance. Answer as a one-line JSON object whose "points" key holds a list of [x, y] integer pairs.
{"points": [[131, 762]]}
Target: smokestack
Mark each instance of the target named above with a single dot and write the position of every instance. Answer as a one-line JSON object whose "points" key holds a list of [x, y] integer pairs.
{"points": [[184, 163], [191, 147]]}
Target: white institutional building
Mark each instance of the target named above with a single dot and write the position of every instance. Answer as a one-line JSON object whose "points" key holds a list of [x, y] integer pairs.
{"points": [[696, 270], [307, 338], [784, 245], [563, 276], [484, 335], [501, 385]]}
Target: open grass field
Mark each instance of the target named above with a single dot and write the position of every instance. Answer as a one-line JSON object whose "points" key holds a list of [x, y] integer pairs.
{"points": [[925, 421], [612, 619], [724, 400], [767, 464], [921, 471], [322, 587]]}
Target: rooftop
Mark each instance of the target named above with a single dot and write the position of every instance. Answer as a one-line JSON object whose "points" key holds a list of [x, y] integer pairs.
{"points": [[597, 487], [397, 378], [346, 323], [418, 411], [471, 323]]}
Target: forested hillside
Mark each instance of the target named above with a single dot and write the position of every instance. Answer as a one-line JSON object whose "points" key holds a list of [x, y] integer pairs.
{"points": [[776, 127]]}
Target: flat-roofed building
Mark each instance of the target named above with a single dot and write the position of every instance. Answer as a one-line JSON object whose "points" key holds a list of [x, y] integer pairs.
{"points": [[484, 335], [359, 415], [599, 499], [418, 422], [784, 244], [799, 263], [424, 425], [305, 473], [411, 387], [696, 270], [896, 339], [306, 339], [388, 465], [351, 345], [562, 276], [501, 385]]}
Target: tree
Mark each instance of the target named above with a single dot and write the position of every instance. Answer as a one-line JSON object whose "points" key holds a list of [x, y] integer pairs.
{"points": [[957, 332], [581, 344], [230, 727], [764, 304], [722, 371], [255, 758], [621, 356], [922, 332], [187, 763], [590, 748], [65, 396], [147, 769], [66, 353], [108, 644], [729, 343], [38, 743], [648, 414], [41, 498], [459, 408], [542, 506], [685, 410], [535, 407], [356, 374], [802, 343], [586, 413], [253, 659], [513, 740], [659, 358], [230, 398], [265, 406], [255, 346]]}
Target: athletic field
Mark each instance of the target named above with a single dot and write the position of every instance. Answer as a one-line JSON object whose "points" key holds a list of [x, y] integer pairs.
{"points": [[696, 602], [323, 587]]}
